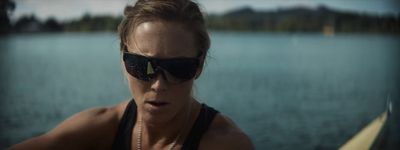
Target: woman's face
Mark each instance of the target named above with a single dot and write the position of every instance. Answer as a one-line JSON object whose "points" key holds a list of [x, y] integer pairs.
{"points": [[157, 99]]}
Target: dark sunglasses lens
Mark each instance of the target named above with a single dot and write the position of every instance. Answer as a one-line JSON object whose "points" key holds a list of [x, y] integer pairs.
{"points": [[136, 66], [174, 70], [181, 69]]}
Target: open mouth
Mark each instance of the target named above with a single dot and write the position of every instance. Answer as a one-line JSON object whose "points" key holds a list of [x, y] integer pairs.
{"points": [[157, 103]]}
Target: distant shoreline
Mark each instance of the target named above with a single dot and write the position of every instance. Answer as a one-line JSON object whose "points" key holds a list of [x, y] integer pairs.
{"points": [[292, 20]]}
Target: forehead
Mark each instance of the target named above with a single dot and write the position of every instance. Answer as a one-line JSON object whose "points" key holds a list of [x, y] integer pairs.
{"points": [[162, 39]]}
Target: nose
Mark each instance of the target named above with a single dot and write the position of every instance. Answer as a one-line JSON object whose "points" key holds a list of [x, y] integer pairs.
{"points": [[159, 83]]}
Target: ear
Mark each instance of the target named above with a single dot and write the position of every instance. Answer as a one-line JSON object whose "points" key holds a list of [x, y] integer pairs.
{"points": [[201, 66], [199, 71], [124, 73]]}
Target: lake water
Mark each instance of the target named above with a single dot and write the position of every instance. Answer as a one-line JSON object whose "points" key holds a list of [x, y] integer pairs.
{"points": [[286, 91]]}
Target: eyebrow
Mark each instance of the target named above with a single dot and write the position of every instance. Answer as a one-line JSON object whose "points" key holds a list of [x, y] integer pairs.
{"points": [[153, 57]]}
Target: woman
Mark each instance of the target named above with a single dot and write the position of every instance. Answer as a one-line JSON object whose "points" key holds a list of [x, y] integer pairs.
{"points": [[164, 44]]}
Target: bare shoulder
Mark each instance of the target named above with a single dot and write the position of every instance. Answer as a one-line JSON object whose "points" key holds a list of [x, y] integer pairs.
{"points": [[93, 128], [224, 134], [89, 122]]}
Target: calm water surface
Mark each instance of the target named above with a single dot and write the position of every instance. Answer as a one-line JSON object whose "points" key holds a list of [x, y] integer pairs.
{"points": [[286, 91]]}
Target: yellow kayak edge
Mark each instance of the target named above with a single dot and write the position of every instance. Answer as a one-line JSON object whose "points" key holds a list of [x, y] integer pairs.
{"points": [[364, 139]]}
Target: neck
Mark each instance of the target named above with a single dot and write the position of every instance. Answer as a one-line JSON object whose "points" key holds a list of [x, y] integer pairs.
{"points": [[166, 132]]}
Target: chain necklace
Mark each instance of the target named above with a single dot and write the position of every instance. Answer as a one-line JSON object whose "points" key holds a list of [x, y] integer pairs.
{"points": [[139, 140]]}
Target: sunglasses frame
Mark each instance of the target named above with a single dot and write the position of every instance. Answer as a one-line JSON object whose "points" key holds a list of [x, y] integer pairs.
{"points": [[157, 66]]}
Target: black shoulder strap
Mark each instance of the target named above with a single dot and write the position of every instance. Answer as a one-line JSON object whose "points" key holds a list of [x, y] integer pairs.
{"points": [[122, 140], [200, 126]]}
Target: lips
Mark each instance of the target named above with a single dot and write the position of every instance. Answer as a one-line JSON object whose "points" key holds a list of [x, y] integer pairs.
{"points": [[157, 103]]}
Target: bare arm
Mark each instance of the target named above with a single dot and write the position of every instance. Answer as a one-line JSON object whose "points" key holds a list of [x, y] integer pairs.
{"points": [[81, 131], [223, 134], [233, 141]]}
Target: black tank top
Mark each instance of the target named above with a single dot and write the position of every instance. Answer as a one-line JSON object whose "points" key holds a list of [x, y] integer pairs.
{"points": [[123, 138]]}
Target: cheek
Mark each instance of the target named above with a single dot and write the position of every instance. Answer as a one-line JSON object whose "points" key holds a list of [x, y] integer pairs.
{"points": [[137, 88], [182, 90]]}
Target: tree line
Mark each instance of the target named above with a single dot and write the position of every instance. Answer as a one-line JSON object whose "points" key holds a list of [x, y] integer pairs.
{"points": [[302, 19], [297, 19]]}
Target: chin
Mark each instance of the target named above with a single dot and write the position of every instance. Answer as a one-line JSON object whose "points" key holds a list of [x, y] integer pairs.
{"points": [[158, 115]]}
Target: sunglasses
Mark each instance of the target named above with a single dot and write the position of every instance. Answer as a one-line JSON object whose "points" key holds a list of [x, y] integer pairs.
{"points": [[174, 70]]}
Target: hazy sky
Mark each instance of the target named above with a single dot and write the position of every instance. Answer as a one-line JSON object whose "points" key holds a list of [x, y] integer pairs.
{"points": [[67, 9]]}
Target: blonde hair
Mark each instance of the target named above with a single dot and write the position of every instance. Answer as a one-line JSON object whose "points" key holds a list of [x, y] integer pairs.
{"points": [[185, 12]]}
